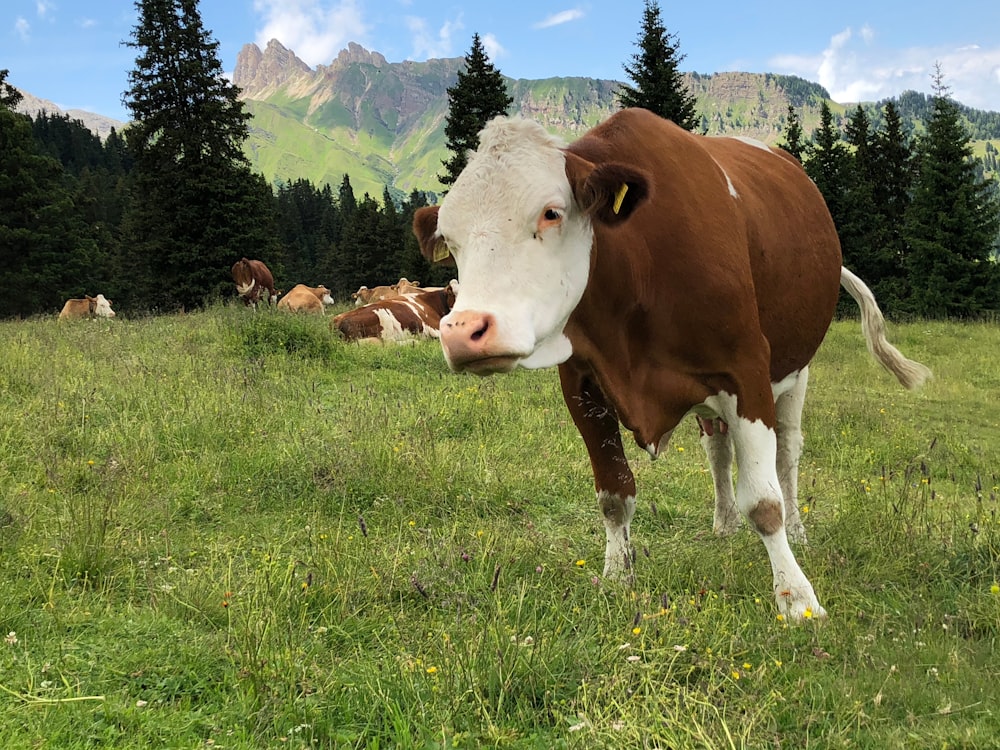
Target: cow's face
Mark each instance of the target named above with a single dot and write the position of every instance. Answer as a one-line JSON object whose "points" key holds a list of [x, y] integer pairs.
{"points": [[522, 248], [102, 307], [518, 225]]}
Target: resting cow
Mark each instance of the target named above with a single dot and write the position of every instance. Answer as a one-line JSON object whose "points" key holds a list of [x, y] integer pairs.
{"points": [[88, 307], [417, 314], [666, 274], [252, 279], [304, 298], [365, 296]]}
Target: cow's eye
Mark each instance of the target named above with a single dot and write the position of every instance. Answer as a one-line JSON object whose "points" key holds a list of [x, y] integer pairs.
{"points": [[550, 217]]}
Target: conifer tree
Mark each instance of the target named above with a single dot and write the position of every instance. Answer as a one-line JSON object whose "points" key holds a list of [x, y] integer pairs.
{"points": [[196, 206], [658, 83], [478, 96], [794, 143], [831, 165], [891, 173], [47, 249], [951, 222]]}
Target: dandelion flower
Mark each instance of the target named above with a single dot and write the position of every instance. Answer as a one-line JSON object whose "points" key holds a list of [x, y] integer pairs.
{"points": [[781, 617], [995, 589], [580, 563], [808, 613], [432, 670], [636, 630]]}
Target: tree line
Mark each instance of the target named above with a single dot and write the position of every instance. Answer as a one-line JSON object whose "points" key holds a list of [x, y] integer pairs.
{"points": [[916, 217], [154, 217]]}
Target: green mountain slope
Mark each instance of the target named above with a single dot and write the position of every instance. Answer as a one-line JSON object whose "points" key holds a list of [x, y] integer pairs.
{"points": [[382, 123]]}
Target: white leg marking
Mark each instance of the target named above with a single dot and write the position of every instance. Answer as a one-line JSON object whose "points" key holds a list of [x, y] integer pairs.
{"points": [[758, 496], [788, 408], [617, 513]]}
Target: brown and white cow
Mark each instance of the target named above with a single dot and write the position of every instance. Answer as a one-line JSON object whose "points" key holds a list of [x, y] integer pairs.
{"points": [[302, 298], [666, 274], [417, 314], [365, 295], [405, 286], [252, 279], [88, 307]]}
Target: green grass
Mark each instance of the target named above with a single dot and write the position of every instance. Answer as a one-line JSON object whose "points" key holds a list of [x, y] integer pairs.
{"points": [[227, 529]]}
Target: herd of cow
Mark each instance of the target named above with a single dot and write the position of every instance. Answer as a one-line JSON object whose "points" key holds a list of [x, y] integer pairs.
{"points": [[396, 313], [666, 275], [400, 312]]}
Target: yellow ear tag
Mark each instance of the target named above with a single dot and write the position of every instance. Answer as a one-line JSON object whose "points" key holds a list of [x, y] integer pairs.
{"points": [[440, 252], [620, 196]]}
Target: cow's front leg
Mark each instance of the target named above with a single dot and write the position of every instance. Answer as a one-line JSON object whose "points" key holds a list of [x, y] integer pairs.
{"points": [[759, 498], [597, 422]]}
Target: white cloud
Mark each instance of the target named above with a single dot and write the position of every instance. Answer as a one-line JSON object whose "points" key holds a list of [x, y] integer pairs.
{"points": [[315, 30], [23, 28], [494, 50], [854, 68], [426, 44], [43, 7], [557, 19]]}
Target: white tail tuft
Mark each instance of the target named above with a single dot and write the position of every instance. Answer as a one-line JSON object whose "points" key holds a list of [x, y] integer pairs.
{"points": [[909, 373]]}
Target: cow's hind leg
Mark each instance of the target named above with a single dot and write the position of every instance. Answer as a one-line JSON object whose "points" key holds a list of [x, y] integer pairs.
{"points": [[597, 422], [759, 499], [788, 412], [719, 450]]}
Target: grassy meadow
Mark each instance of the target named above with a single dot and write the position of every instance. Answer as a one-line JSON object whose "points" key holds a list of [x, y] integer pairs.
{"points": [[230, 530]]}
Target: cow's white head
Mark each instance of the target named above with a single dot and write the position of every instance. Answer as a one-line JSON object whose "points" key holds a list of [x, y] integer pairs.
{"points": [[102, 307], [518, 223]]}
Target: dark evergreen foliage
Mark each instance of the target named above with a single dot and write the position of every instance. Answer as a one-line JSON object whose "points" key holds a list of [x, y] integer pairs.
{"points": [[794, 142], [479, 95], [46, 244], [195, 207], [951, 223], [658, 83]]}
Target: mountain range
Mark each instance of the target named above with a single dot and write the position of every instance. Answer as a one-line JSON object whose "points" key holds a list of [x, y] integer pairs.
{"points": [[382, 123]]}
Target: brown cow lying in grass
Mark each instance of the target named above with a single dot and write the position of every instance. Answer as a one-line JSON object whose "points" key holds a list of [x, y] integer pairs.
{"points": [[88, 307]]}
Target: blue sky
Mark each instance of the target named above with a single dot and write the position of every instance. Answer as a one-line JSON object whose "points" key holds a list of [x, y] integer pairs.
{"points": [[71, 53]]}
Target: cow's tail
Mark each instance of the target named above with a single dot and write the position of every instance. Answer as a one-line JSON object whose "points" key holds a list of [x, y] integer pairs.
{"points": [[909, 373]]}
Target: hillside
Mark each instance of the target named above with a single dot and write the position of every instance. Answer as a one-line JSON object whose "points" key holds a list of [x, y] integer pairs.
{"points": [[382, 123]]}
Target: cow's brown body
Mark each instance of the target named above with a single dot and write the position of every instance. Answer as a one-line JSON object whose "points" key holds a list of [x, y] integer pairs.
{"points": [[87, 307], [666, 274], [414, 314], [302, 298], [698, 293], [253, 278]]}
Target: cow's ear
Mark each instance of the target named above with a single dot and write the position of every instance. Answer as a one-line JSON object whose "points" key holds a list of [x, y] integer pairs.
{"points": [[608, 192], [425, 222]]}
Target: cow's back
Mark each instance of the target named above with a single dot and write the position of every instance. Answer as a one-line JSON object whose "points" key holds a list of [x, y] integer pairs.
{"points": [[733, 234]]}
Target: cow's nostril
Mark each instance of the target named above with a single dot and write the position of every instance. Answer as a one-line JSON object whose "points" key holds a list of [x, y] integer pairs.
{"points": [[481, 331]]}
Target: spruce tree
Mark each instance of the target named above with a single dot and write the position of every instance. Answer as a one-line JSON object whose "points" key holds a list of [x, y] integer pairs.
{"points": [[658, 83], [196, 206], [794, 143], [831, 165], [48, 250], [478, 96], [891, 169], [951, 222]]}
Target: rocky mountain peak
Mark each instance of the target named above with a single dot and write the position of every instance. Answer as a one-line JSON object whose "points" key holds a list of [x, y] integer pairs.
{"points": [[258, 71], [355, 53]]}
